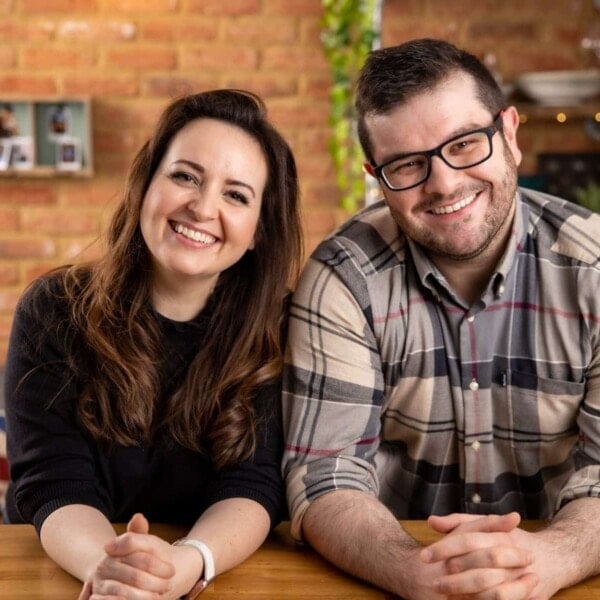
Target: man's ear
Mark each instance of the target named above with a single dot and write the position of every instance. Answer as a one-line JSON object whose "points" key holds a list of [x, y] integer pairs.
{"points": [[368, 168], [510, 124]]}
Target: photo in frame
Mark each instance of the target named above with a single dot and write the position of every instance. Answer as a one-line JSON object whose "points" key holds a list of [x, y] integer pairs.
{"points": [[5, 145], [21, 152], [68, 154], [59, 121]]}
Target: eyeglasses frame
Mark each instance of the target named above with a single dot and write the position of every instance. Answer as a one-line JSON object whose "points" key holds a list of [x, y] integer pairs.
{"points": [[490, 131]]}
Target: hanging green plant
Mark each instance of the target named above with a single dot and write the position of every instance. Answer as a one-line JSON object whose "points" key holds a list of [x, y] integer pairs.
{"points": [[350, 29]]}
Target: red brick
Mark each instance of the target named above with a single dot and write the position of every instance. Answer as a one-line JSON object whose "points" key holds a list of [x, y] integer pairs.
{"points": [[172, 87], [294, 114], [138, 57], [26, 84], [313, 167], [30, 32], [102, 31], [9, 275], [131, 115], [318, 86], [100, 86], [37, 269], [487, 31], [298, 59], [294, 7], [16, 192], [51, 58], [212, 58], [100, 193], [34, 247], [254, 30], [71, 6], [9, 298], [3, 353], [321, 194], [141, 6], [397, 32], [320, 221], [5, 326], [59, 222], [230, 8], [264, 84], [82, 249], [116, 140], [8, 57], [9, 219], [175, 30]]}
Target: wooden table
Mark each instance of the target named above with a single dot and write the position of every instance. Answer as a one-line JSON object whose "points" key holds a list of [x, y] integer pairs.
{"points": [[281, 569]]}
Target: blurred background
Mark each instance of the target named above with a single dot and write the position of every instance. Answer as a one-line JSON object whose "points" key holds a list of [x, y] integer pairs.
{"points": [[124, 60]]}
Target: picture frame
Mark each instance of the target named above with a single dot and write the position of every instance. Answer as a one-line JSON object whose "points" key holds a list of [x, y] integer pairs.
{"points": [[5, 149], [68, 154], [21, 153]]}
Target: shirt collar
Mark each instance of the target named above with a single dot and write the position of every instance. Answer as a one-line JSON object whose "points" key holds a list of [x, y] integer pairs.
{"points": [[431, 277]]}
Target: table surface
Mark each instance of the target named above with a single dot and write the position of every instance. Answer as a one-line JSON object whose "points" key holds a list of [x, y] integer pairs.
{"points": [[280, 569]]}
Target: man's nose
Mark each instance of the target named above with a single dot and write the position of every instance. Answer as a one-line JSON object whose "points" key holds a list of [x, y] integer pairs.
{"points": [[442, 178]]}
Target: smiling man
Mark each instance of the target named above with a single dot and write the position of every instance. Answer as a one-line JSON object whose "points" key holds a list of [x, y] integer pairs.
{"points": [[444, 353]]}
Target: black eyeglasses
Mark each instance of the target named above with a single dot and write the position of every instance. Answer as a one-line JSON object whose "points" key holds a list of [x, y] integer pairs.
{"points": [[466, 150]]}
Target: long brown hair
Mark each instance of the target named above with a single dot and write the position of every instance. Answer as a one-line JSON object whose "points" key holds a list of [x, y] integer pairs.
{"points": [[110, 305]]}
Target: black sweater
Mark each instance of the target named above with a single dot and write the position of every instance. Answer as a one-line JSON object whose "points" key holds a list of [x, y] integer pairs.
{"points": [[54, 462]]}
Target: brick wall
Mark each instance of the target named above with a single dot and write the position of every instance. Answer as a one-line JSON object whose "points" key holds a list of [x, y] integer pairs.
{"points": [[132, 56]]}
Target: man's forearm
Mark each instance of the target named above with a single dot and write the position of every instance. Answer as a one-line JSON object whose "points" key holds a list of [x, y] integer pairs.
{"points": [[574, 533], [356, 532]]}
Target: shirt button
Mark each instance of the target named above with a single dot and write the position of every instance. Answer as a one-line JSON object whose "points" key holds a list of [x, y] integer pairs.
{"points": [[476, 498], [473, 386], [471, 319], [476, 445]]}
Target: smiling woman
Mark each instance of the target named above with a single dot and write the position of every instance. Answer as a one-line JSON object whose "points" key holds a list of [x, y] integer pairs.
{"points": [[162, 362]]}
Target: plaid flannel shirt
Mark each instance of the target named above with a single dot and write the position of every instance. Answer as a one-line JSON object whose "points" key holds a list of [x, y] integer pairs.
{"points": [[396, 387]]}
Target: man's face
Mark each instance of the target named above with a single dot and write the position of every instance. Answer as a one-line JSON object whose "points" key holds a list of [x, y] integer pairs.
{"points": [[457, 214]]}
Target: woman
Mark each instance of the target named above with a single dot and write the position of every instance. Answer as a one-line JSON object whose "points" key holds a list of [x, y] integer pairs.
{"points": [[148, 381]]}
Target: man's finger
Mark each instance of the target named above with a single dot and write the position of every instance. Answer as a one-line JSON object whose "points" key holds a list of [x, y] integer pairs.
{"points": [[458, 523]]}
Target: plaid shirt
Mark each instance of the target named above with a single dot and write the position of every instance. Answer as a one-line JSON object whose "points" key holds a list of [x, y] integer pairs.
{"points": [[396, 387]]}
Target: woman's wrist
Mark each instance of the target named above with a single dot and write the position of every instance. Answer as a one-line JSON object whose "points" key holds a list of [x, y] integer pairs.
{"points": [[189, 567]]}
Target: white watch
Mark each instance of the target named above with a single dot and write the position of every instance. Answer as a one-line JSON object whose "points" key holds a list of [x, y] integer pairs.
{"points": [[208, 572]]}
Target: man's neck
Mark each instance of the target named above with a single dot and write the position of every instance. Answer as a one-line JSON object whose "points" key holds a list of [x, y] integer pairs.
{"points": [[469, 278]]}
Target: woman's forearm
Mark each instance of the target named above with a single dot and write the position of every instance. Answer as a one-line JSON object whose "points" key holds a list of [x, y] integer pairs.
{"points": [[74, 537]]}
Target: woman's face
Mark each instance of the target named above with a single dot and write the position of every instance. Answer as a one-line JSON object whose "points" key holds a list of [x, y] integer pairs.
{"points": [[201, 211]]}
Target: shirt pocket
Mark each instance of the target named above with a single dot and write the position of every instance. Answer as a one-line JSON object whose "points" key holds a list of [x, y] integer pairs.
{"points": [[539, 415]]}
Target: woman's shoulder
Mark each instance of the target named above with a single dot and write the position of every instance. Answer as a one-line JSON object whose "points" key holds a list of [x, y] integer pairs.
{"points": [[47, 297]]}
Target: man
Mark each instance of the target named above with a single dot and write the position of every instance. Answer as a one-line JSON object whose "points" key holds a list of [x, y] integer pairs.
{"points": [[444, 353]]}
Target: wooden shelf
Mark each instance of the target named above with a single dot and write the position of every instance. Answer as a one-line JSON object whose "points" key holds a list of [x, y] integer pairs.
{"points": [[46, 137], [537, 112]]}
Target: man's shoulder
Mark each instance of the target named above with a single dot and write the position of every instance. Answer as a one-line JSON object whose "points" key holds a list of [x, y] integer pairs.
{"points": [[566, 228], [370, 240]]}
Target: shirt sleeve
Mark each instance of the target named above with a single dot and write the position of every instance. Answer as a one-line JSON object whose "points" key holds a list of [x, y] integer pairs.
{"points": [[50, 460], [333, 389], [258, 478], [585, 481]]}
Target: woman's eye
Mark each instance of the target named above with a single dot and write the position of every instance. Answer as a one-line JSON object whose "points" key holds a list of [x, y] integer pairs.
{"points": [[238, 197], [183, 177]]}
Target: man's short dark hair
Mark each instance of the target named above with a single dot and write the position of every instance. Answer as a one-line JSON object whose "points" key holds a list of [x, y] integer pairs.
{"points": [[391, 76]]}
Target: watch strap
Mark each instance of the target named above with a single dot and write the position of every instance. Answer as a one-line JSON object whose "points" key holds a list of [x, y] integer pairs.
{"points": [[208, 572]]}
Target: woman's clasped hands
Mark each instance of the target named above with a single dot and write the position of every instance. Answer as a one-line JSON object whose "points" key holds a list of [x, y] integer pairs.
{"points": [[136, 566]]}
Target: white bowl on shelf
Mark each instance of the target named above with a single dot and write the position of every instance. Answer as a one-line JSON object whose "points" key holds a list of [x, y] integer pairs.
{"points": [[560, 88]]}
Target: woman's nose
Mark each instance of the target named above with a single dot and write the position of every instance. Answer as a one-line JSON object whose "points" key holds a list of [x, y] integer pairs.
{"points": [[204, 205]]}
